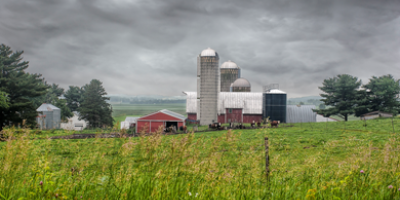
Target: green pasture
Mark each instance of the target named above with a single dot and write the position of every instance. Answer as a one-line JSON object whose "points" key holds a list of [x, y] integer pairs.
{"points": [[333, 160]]}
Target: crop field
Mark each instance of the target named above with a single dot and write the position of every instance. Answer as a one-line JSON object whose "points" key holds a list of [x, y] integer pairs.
{"points": [[334, 160]]}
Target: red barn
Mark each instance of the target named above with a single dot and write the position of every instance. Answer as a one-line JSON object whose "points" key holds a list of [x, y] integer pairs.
{"points": [[165, 118]]}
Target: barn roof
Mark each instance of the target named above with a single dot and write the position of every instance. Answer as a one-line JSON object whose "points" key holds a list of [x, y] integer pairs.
{"points": [[173, 114], [167, 112]]}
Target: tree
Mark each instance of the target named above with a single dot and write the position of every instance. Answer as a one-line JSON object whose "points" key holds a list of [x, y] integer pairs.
{"points": [[340, 92], [74, 97], [20, 87], [65, 111], [4, 101], [383, 94], [94, 107], [52, 96]]}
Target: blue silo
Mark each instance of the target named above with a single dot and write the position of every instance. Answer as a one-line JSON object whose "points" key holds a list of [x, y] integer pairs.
{"points": [[274, 105]]}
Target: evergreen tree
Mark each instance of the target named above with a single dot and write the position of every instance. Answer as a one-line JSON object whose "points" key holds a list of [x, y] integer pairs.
{"points": [[4, 102], [383, 94], [20, 87], [74, 97], [341, 93], [94, 108]]}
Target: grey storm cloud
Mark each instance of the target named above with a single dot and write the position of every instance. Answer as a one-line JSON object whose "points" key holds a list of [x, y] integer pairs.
{"points": [[138, 47]]}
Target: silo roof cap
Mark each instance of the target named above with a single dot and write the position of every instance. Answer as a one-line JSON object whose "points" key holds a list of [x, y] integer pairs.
{"points": [[276, 91], [46, 107], [229, 65], [241, 82], [208, 52]]}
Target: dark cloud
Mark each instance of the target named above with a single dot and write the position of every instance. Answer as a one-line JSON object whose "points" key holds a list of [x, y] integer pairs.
{"points": [[150, 47]]}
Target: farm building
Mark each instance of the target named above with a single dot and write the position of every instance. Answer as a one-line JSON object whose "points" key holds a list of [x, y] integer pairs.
{"points": [[236, 107], [73, 123], [49, 116], [375, 114], [130, 122], [300, 113], [163, 118]]}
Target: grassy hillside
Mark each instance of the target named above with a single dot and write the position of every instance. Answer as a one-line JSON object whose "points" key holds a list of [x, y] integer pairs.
{"points": [[335, 160]]}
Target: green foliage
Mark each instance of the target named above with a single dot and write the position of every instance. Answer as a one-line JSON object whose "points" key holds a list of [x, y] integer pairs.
{"points": [[65, 111], [20, 87], [384, 94], [341, 94], [74, 97], [4, 100], [94, 107], [320, 163]]}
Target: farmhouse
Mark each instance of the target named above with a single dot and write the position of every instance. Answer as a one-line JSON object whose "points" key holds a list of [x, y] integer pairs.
{"points": [[74, 123], [164, 118]]}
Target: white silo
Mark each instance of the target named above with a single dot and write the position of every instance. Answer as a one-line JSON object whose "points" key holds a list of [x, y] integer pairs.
{"points": [[208, 86]]}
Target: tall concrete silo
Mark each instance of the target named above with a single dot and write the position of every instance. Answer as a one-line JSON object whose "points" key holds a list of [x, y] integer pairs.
{"points": [[208, 86], [230, 71]]}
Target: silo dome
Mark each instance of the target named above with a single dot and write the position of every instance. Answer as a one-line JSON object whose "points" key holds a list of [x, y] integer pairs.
{"points": [[229, 65], [241, 85], [241, 82], [208, 52]]}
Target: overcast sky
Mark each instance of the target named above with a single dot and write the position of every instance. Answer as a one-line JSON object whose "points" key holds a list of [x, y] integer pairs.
{"points": [[146, 47]]}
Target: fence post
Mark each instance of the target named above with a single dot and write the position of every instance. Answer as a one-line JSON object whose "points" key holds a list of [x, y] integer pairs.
{"points": [[266, 156]]}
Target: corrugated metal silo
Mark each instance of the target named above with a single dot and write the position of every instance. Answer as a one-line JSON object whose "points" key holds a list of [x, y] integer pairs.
{"points": [[274, 105], [49, 116], [208, 86]]}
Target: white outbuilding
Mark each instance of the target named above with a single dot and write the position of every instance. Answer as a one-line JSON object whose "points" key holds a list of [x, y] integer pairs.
{"points": [[130, 122], [74, 123]]}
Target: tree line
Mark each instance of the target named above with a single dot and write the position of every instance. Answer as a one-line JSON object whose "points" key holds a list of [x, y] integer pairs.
{"points": [[345, 95], [21, 93]]}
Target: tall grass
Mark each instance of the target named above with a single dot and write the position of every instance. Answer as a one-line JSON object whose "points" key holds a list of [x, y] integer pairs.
{"points": [[306, 163]]}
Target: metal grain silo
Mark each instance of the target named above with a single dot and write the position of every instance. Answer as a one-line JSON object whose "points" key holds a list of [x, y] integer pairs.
{"points": [[274, 105], [230, 71], [49, 116], [241, 85], [208, 86]]}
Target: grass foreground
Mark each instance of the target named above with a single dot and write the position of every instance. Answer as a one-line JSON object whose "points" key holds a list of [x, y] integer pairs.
{"points": [[335, 160]]}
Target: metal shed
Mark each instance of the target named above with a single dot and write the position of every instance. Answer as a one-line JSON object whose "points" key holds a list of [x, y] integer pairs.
{"points": [[163, 118], [49, 116], [300, 113]]}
